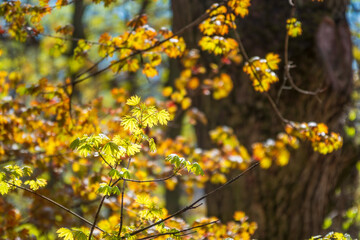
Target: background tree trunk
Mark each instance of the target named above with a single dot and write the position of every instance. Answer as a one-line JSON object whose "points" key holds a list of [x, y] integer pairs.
{"points": [[289, 202]]}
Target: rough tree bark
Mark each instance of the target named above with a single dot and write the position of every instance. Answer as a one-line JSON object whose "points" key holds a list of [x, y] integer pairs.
{"points": [[289, 202]]}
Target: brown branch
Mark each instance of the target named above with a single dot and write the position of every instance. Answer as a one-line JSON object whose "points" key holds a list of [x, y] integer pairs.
{"points": [[105, 161], [287, 64], [182, 30], [181, 231], [72, 39], [146, 181], [272, 103], [55, 203], [194, 204], [97, 214]]}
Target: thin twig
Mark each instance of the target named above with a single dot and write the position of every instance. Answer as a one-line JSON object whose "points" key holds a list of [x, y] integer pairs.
{"points": [[146, 181], [190, 25], [287, 64], [192, 205], [106, 161], [55, 203], [97, 213], [96, 216], [122, 201], [272, 103], [181, 231]]}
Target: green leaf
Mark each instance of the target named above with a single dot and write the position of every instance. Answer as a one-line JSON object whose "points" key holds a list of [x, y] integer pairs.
{"points": [[27, 171], [96, 140], [79, 235], [196, 169], [152, 145], [327, 223], [111, 148], [173, 159], [130, 123], [114, 174], [115, 190], [133, 101], [75, 144], [104, 189], [125, 173], [65, 233], [85, 150]]}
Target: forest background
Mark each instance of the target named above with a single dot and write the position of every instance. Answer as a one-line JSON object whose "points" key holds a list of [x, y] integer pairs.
{"points": [[180, 119]]}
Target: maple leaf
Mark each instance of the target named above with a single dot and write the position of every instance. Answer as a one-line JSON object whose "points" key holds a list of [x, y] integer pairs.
{"points": [[65, 233], [133, 101], [273, 60], [149, 71]]}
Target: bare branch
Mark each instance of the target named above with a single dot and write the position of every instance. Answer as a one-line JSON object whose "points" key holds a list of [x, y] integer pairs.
{"points": [[57, 204], [122, 201], [287, 65], [272, 102], [146, 181], [182, 30], [181, 231], [97, 213], [192, 205]]}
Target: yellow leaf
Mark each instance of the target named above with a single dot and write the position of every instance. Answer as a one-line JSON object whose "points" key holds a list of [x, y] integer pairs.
{"points": [[4, 188], [130, 123], [132, 149], [133, 101], [193, 83], [65, 233], [239, 216], [167, 91], [294, 27], [265, 163], [240, 7], [76, 167], [163, 116], [186, 103], [218, 178], [149, 71], [283, 158], [322, 128], [273, 60]]}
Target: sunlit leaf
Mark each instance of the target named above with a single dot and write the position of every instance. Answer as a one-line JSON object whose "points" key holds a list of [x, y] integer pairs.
{"points": [[65, 233], [133, 101]]}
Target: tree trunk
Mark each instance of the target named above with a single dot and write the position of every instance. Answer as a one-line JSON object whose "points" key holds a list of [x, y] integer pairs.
{"points": [[180, 19], [289, 202]]}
